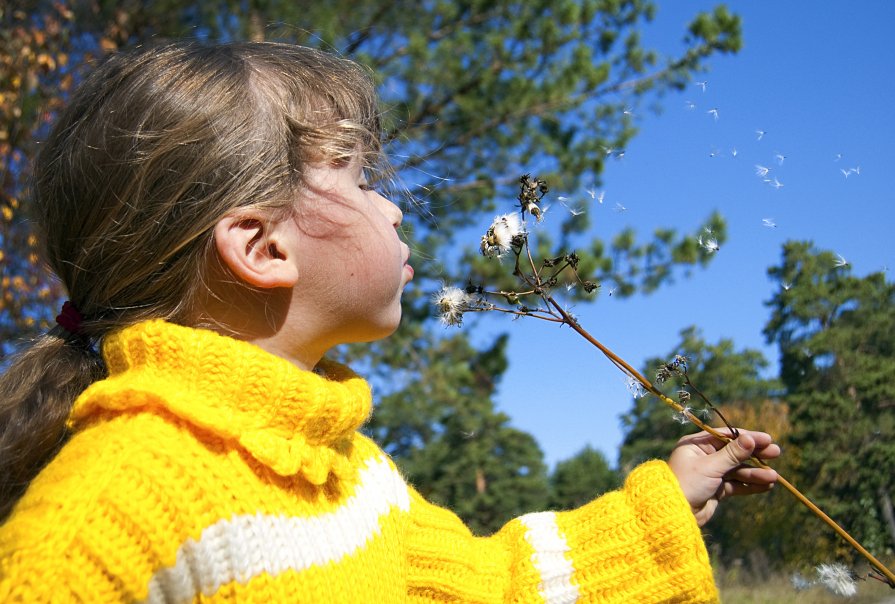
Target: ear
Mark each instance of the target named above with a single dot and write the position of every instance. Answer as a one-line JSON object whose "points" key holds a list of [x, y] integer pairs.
{"points": [[257, 250]]}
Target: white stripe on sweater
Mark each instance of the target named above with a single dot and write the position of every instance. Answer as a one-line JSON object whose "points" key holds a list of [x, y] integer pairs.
{"points": [[550, 559], [246, 546]]}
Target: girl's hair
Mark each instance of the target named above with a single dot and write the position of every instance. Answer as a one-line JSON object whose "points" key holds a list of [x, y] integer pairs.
{"points": [[154, 148]]}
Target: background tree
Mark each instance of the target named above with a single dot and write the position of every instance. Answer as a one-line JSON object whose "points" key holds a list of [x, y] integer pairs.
{"points": [[836, 334], [577, 480], [476, 92], [34, 75]]}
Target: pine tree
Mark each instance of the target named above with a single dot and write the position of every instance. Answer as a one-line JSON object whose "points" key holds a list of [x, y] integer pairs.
{"points": [[581, 478], [836, 334]]}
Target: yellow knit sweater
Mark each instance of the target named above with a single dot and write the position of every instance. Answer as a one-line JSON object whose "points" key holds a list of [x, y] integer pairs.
{"points": [[204, 469]]}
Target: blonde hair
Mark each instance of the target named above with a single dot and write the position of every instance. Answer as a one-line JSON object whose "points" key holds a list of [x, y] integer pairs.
{"points": [[154, 148]]}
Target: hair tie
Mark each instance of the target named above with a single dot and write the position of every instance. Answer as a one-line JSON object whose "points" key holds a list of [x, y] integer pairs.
{"points": [[70, 319]]}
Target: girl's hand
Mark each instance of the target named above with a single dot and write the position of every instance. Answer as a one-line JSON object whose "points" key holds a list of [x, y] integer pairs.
{"points": [[710, 470]]}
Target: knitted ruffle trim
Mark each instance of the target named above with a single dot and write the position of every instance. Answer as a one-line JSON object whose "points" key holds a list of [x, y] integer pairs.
{"points": [[291, 420]]}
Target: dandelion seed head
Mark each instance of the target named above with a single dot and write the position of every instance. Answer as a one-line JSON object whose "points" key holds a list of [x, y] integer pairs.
{"points": [[451, 303], [837, 578], [499, 238]]}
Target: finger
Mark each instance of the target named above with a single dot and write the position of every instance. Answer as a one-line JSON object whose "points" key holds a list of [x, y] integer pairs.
{"points": [[731, 455], [762, 440], [751, 475], [770, 451], [736, 489]]}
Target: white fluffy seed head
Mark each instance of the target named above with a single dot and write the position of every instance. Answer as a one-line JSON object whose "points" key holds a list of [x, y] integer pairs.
{"points": [[451, 302], [498, 240], [837, 578]]}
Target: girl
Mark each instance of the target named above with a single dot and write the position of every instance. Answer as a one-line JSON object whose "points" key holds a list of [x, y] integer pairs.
{"points": [[206, 209]]}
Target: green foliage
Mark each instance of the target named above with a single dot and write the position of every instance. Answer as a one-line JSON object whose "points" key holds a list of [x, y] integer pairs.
{"points": [[836, 334], [580, 479]]}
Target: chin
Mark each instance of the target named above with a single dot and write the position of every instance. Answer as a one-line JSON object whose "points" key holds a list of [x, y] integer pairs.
{"points": [[373, 333]]}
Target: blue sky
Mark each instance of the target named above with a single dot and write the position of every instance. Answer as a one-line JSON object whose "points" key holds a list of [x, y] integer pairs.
{"points": [[817, 78]]}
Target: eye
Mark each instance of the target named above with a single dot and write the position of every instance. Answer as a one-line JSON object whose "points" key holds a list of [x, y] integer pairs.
{"points": [[366, 187]]}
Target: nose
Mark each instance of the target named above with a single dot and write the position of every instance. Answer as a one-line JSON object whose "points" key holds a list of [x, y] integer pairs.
{"points": [[392, 211]]}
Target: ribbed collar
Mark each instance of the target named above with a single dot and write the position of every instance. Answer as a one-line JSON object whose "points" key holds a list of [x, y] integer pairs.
{"points": [[291, 420]]}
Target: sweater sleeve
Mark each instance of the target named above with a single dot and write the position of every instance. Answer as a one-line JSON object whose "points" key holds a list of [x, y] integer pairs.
{"points": [[638, 544]]}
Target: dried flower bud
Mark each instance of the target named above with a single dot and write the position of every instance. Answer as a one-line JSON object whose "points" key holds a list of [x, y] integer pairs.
{"points": [[590, 286], [663, 374], [531, 190], [451, 302], [572, 259], [683, 396]]}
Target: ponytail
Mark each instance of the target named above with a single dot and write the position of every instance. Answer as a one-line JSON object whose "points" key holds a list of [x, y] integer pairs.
{"points": [[36, 395]]}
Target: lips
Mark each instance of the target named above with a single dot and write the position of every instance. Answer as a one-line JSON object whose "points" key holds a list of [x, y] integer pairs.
{"points": [[406, 260]]}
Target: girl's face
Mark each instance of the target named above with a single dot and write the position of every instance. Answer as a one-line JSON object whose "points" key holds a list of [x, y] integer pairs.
{"points": [[352, 265]]}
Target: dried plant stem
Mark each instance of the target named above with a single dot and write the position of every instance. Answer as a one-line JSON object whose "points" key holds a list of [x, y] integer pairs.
{"points": [[649, 387]]}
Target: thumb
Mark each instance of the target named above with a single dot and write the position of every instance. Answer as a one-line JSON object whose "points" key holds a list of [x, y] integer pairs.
{"points": [[733, 454]]}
